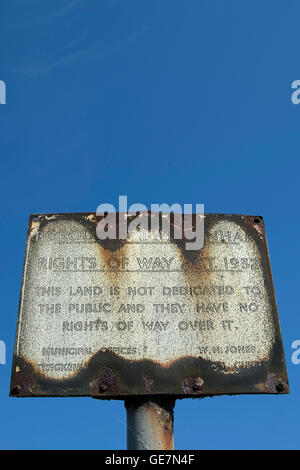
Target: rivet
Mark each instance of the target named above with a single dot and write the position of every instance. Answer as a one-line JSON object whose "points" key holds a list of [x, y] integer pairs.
{"points": [[16, 390], [197, 384], [280, 387]]}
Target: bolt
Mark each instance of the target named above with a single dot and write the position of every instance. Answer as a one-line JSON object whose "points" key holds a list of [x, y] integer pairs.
{"points": [[16, 390], [280, 387], [197, 384], [102, 388]]}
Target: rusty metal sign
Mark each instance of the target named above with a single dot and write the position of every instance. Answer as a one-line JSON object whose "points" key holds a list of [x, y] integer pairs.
{"points": [[145, 316]]}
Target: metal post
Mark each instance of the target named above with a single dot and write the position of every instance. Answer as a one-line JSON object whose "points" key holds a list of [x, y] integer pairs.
{"points": [[150, 423]]}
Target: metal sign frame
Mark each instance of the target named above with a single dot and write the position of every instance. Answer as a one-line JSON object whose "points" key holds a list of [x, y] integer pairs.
{"points": [[107, 375]]}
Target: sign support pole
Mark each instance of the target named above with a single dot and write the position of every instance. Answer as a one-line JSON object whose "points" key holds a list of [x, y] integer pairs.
{"points": [[150, 423]]}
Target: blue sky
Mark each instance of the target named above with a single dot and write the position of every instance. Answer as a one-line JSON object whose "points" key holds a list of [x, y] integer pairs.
{"points": [[164, 101]]}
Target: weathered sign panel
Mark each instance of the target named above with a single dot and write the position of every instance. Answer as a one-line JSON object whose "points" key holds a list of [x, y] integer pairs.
{"points": [[115, 318]]}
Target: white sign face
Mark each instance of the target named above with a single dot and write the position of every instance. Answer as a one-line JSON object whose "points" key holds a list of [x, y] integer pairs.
{"points": [[142, 315]]}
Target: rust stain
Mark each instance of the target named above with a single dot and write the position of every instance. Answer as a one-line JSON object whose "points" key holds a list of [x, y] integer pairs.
{"points": [[148, 384], [123, 378], [192, 385], [105, 383], [161, 421], [115, 261], [256, 223], [22, 384], [35, 225], [276, 384]]}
